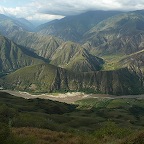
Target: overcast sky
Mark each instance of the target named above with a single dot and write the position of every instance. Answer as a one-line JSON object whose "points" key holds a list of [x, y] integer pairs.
{"points": [[55, 9]]}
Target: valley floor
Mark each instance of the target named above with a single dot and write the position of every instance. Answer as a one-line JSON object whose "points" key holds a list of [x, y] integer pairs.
{"points": [[69, 97]]}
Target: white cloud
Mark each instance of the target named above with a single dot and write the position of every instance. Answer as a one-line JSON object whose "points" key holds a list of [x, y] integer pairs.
{"points": [[43, 17], [30, 13], [56, 9], [71, 7]]}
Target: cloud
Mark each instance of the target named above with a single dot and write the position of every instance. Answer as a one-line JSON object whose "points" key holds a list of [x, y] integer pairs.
{"points": [[43, 17], [72, 7], [28, 12], [56, 9]]}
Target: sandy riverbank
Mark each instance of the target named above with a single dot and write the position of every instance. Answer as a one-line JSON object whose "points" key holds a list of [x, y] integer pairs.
{"points": [[69, 97]]}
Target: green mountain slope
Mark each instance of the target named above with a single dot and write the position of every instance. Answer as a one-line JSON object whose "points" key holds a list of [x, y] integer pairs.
{"points": [[73, 27], [10, 25], [48, 78], [135, 62], [65, 53], [73, 57], [13, 57], [35, 78], [136, 59], [121, 34], [44, 46], [60, 53], [84, 62]]}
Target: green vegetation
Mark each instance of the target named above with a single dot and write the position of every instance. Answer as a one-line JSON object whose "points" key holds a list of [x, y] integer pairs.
{"points": [[65, 53], [93, 103], [73, 28], [118, 35], [118, 40], [37, 78], [44, 78], [84, 62], [44, 46], [34, 121], [135, 59], [13, 56], [111, 62]]}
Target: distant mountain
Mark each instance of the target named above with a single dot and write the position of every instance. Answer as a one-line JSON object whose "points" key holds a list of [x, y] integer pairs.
{"points": [[44, 46], [57, 51], [73, 57], [73, 27], [26, 23], [84, 62], [10, 25], [109, 60], [65, 53], [48, 78], [121, 34], [13, 56], [139, 12], [135, 59]]}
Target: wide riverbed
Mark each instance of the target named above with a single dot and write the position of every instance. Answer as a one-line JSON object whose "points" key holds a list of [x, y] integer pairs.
{"points": [[69, 97]]}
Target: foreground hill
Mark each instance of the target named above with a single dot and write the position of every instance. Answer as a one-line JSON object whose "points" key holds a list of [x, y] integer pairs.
{"points": [[48, 78], [13, 56], [90, 121]]}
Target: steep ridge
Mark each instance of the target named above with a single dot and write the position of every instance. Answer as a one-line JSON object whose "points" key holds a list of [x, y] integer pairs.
{"points": [[37, 78], [135, 62], [13, 56], [84, 62], [44, 46], [65, 53], [74, 57], [61, 54], [18, 30], [121, 34], [117, 82], [133, 59], [48, 78], [73, 27]]}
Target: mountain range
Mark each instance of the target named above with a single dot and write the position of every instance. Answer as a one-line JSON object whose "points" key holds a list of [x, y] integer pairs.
{"points": [[97, 51], [73, 27], [48, 78], [121, 34], [13, 56]]}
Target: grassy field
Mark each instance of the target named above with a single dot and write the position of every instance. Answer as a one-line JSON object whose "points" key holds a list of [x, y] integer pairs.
{"points": [[111, 62], [89, 121]]}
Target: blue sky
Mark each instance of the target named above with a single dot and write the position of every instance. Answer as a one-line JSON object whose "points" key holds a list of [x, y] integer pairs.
{"points": [[14, 3], [47, 10]]}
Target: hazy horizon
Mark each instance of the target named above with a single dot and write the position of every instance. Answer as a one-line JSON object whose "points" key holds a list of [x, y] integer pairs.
{"points": [[46, 10]]}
